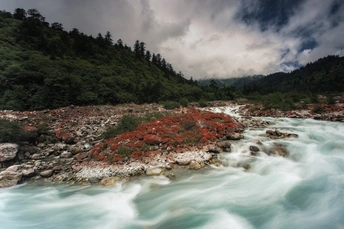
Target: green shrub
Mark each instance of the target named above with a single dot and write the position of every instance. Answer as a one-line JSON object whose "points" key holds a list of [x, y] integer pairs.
{"points": [[202, 103], [124, 151], [184, 102], [10, 131], [126, 124], [170, 105], [318, 109]]}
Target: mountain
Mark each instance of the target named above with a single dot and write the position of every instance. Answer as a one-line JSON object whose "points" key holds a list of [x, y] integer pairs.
{"points": [[238, 82], [43, 66], [326, 75]]}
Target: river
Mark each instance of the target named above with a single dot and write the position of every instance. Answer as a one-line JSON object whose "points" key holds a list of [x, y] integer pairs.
{"points": [[303, 190]]}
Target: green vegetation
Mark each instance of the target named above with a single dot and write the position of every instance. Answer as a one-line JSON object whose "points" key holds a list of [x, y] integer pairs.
{"points": [[170, 105], [44, 66], [10, 132]]}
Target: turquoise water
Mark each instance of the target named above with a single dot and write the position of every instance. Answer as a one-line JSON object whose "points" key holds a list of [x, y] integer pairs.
{"points": [[303, 190]]}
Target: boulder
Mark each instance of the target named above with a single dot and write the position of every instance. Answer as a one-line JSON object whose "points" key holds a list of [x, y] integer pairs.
{"points": [[46, 173], [279, 151], [109, 181], [153, 171], [225, 145], [9, 178], [235, 136], [28, 172], [254, 149], [215, 149], [247, 166], [66, 154], [152, 139], [8, 151], [194, 165]]}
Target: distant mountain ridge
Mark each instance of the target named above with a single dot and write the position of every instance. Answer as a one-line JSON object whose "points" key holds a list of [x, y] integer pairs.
{"points": [[324, 75], [238, 82]]}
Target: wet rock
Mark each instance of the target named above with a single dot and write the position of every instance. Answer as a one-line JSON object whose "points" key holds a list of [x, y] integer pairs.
{"points": [[46, 173], [235, 136], [153, 171], [225, 145], [293, 136], [109, 181], [254, 148], [247, 166], [279, 151], [171, 176], [194, 165], [215, 149], [9, 178], [8, 151]]}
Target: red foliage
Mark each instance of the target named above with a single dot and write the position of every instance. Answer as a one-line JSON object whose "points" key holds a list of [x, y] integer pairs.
{"points": [[194, 128]]}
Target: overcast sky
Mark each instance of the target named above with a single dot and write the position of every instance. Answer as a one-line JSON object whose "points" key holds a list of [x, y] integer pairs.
{"points": [[210, 38]]}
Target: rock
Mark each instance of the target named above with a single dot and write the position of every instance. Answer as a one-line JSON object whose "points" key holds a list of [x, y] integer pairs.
{"points": [[254, 148], [28, 172], [194, 165], [8, 151], [183, 161], [9, 178], [152, 139], [293, 136], [225, 145], [171, 176], [75, 149], [235, 136], [109, 181], [93, 180], [46, 173], [36, 156], [247, 166], [215, 149], [13, 168], [66, 154], [153, 171], [81, 156], [279, 151]]}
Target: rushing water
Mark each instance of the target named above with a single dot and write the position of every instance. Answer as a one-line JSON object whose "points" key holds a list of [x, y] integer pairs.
{"points": [[303, 190]]}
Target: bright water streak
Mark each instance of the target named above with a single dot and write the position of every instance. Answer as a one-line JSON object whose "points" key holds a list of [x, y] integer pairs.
{"points": [[304, 190]]}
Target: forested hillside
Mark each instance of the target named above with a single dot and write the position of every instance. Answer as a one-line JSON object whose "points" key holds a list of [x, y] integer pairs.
{"points": [[325, 75], [44, 66]]}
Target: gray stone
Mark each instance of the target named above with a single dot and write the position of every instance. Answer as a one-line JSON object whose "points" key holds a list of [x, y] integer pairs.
{"points": [[8, 151], [254, 148], [235, 136], [9, 178], [46, 173], [194, 165], [66, 154], [279, 151], [109, 181], [224, 144], [28, 172], [153, 171]]}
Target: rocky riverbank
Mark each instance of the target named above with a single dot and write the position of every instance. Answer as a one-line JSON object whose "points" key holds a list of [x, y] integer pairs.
{"points": [[65, 145]]}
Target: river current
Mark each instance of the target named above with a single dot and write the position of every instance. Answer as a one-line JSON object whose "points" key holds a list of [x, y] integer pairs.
{"points": [[303, 190]]}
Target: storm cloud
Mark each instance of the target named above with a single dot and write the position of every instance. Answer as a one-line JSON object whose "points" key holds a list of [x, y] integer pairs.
{"points": [[203, 38]]}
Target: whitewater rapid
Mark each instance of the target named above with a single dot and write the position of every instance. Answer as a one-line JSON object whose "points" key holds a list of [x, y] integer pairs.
{"points": [[303, 190]]}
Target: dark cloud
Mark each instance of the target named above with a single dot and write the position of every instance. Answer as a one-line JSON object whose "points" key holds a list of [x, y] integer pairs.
{"points": [[222, 38]]}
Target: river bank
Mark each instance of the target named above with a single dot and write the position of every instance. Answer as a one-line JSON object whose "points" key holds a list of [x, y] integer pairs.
{"points": [[66, 146]]}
